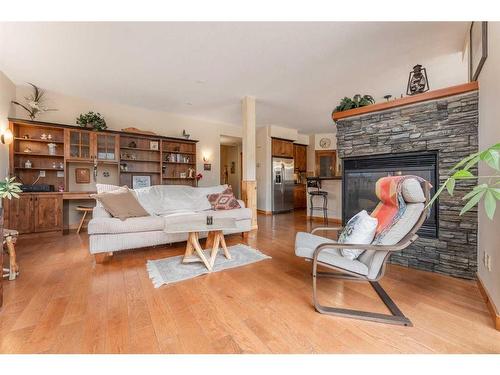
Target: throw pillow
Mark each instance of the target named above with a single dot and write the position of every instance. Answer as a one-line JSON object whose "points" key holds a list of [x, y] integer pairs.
{"points": [[224, 200], [359, 230], [121, 203]]}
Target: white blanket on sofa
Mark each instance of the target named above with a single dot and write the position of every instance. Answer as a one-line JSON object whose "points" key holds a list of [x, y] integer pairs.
{"points": [[169, 199]]}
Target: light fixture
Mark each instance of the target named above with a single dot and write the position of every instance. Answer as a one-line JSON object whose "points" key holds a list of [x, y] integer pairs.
{"points": [[6, 136], [205, 158], [189, 103]]}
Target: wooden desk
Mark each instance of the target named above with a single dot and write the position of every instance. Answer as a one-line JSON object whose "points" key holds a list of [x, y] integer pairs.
{"points": [[77, 195]]}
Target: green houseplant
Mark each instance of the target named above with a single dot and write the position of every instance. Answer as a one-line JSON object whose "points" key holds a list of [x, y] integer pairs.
{"points": [[356, 102], [92, 120], [10, 189], [487, 187]]}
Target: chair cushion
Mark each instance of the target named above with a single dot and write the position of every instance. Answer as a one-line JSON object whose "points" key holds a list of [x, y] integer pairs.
{"points": [[306, 243], [360, 229], [412, 191]]}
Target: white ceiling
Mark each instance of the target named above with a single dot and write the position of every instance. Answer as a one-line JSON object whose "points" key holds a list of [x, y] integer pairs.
{"points": [[297, 71]]}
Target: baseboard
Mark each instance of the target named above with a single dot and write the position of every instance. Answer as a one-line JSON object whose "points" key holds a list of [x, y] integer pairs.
{"points": [[264, 212], [490, 304]]}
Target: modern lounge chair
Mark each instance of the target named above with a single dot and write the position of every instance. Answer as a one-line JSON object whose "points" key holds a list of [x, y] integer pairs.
{"points": [[371, 264]]}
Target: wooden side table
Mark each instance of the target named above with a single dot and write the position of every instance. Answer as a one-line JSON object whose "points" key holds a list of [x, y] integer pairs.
{"points": [[9, 238]]}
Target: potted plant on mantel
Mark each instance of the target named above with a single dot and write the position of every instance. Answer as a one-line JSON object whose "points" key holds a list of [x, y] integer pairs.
{"points": [[92, 120], [356, 102], [488, 189]]}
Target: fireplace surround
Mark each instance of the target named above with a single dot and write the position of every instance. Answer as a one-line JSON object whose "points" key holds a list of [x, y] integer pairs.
{"points": [[446, 127], [361, 174]]}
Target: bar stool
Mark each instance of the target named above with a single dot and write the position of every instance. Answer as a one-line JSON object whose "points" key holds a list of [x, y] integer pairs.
{"points": [[85, 210], [316, 184]]}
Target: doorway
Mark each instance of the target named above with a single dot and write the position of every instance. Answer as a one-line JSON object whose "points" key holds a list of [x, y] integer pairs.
{"points": [[230, 163]]}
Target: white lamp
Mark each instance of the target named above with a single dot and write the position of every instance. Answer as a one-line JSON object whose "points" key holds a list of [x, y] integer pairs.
{"points": [[6, 136]]}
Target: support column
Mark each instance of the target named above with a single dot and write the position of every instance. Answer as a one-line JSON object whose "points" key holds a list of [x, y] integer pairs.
{"points": [[249, 183]]}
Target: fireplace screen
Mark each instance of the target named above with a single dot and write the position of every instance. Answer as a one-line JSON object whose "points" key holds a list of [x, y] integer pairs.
{"points": [[361, 174]]}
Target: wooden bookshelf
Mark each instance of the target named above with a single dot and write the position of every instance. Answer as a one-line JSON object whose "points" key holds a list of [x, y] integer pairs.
{"points": [[31, 145], [178, 162], [165, 159]]}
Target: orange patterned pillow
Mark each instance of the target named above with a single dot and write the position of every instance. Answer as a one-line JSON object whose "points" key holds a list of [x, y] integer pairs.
{"points": [[224, 200]]}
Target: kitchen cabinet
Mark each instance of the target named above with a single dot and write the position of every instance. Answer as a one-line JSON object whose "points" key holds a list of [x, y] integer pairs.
{"points": [[300, 157], [300, 196], [282, 148]]}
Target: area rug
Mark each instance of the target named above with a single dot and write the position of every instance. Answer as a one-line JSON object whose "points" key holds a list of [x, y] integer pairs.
{"points": [[171, 270]]}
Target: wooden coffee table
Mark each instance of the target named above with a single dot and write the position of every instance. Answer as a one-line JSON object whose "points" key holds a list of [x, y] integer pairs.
{"points": [[194, 251]]}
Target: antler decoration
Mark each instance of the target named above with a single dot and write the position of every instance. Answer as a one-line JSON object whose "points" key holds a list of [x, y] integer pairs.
{"points": [[35, 102]]}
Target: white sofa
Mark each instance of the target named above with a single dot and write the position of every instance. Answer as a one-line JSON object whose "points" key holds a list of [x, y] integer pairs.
{"points": [[164, 204]]}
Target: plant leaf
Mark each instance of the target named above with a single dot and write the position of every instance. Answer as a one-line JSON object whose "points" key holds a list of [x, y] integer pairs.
{"points": [[438, 193], [492, 158], [472, 202], [450, 185], [463, 161], [476, 190], [462, 174], [495, 192], [490, 204]]}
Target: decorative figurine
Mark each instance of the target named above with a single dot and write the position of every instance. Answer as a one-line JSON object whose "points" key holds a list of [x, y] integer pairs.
{"points": [[27, 164], [52, 148], [417, 81], [191, 172], [43, 136]]}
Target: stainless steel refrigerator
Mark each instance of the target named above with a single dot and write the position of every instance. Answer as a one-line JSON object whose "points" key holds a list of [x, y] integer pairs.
{"points": [[283, 184]]}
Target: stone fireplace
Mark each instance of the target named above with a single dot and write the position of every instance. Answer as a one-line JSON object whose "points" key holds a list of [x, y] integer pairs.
{"points": [[426, 138]]}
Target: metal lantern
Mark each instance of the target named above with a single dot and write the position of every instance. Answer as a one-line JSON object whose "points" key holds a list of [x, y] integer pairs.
{"points": [[417, 81]]}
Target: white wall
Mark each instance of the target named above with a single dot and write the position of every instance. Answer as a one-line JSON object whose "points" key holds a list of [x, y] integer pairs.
{"points": [[119, 116], [489, 134], [7, 94]]}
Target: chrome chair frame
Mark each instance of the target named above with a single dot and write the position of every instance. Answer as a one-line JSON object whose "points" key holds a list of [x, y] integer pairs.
{"points": [[396, 317]]}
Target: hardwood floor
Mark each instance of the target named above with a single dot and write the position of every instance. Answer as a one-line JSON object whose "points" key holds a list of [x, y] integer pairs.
{"points": [[64, 303]]}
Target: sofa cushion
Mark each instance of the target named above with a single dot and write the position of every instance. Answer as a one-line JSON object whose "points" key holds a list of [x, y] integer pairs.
{"points": [[306, 243], [131, 225], [121, 203], [224, 200]]}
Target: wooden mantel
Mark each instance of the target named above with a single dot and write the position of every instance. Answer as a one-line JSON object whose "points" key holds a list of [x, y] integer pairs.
{"points": [[429, 95]]}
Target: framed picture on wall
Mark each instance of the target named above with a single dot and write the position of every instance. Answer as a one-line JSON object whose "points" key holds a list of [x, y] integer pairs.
{"points": [[154, 145], [478, 48], [140, 181], [82, 175]]}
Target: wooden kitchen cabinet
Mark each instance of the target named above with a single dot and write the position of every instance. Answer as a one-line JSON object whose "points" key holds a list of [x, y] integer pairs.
{"points": [[300, 196], [282, 148], [34, 213], [300, 157]]}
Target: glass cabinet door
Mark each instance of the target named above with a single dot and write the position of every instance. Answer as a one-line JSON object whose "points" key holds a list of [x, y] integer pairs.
{"points": [[79, 145], [106, 147]]}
